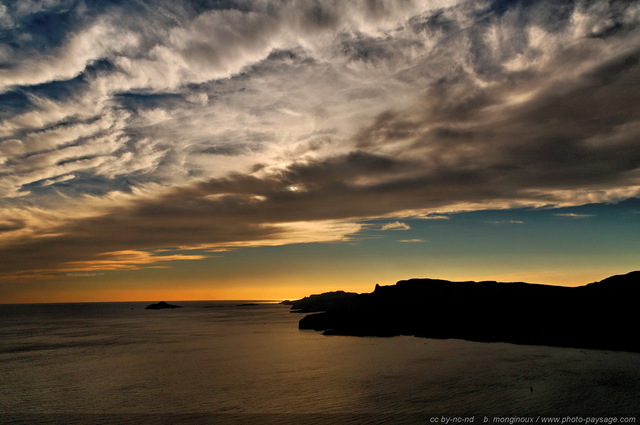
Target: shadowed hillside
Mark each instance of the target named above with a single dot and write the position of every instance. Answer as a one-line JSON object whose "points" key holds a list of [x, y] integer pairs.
{"points": [[598, 315]]}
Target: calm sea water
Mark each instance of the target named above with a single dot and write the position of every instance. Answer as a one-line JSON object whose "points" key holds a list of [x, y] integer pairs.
{"points": [[217, 361]]}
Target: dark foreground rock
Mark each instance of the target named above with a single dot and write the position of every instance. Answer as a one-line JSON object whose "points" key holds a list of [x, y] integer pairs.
{"points": [[601, 315], [161, 305]]}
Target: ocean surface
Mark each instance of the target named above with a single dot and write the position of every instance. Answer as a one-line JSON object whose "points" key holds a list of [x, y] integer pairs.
{"points": [[221, 362]]}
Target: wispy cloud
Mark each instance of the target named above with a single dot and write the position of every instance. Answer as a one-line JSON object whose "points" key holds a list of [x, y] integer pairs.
{"points": [[574, 215], [123, 260], [396, 225], [505, 222], [434, 217], [412, 240]]}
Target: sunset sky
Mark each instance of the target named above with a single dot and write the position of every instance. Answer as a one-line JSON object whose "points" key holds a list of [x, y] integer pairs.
{"points": [[267, 149]]}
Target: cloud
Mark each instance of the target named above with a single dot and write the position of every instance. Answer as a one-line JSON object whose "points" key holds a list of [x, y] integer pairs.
{"points": [[11, 225], [106, 261], [505, 222], [395, 226], [122, 260], [574, 215], [433, 217], [129, 127], [58, 179], [412, 240]]}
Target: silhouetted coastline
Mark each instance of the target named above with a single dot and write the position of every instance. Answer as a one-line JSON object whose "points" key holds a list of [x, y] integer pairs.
{"points": [[600, 315], [321, 302]]}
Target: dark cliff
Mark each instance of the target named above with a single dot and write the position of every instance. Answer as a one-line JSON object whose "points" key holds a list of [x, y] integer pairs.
{"points": [[599, 315]]}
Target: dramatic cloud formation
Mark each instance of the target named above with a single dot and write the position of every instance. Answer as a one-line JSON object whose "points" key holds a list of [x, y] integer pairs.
{"points": [[130, 128]]}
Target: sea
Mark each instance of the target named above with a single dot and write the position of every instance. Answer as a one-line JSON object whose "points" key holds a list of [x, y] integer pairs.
{"points": [[247, 362]]}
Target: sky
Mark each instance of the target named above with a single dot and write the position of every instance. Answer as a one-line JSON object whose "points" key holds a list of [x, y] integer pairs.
{"points": [[271, 149]]}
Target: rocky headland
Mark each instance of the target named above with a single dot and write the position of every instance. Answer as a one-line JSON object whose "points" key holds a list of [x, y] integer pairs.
{"points": [[600, 315], [322, 302]]}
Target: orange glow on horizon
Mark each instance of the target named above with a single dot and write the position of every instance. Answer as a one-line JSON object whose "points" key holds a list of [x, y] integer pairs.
{"points": [[132, 286], [92, 294]]}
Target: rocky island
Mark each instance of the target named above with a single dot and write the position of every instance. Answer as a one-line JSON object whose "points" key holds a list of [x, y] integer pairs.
{"points": [[600, 315], [161, 305]]}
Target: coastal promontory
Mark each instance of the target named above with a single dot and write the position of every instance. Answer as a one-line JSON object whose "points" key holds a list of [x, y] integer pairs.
{"points": [[600, 315]]}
